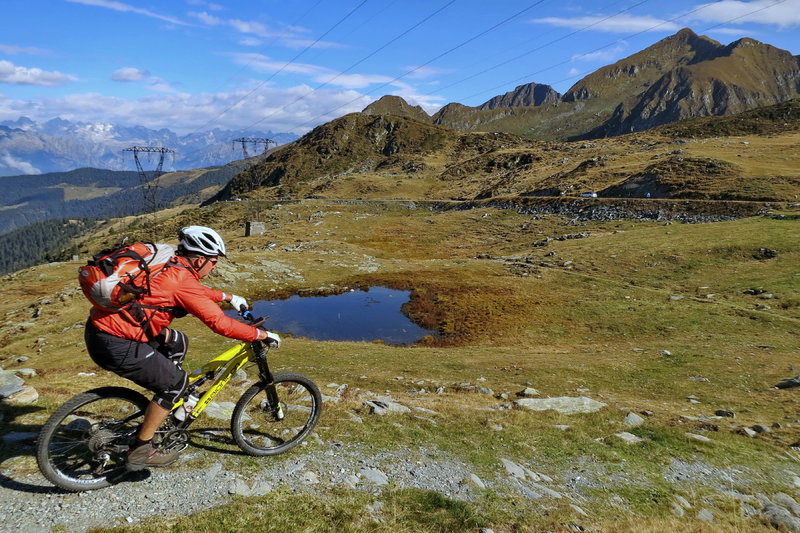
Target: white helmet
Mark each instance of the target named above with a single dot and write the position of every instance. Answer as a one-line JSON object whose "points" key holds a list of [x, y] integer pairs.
{"points": [[201, 240]]}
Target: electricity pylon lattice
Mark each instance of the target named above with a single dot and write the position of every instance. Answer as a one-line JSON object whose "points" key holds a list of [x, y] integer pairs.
{"points": [[254, 141], [149, 185]]}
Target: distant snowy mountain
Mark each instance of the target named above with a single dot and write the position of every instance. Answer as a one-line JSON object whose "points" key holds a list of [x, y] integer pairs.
{"points": [[28, 147]]}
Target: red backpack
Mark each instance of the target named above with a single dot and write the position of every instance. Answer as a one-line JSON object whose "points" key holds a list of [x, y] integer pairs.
{"points": [[115, 278]]}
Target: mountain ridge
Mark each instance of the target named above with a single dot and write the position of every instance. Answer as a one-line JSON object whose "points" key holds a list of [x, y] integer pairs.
{"points": [[91, 192], [362, 156], [684, 75]]}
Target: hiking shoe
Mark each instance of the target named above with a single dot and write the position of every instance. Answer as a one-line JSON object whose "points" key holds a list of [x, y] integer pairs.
{"points": [[148, 455]]}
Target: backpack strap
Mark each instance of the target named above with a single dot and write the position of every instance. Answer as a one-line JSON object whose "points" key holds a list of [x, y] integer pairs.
{"points": [[135, 311]]}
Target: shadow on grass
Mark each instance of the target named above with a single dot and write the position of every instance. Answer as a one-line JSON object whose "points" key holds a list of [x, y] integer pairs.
{"points": [[217, 440]]}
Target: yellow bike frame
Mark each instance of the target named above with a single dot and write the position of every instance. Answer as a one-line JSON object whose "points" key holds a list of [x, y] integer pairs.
{"points": [[220, 370]]}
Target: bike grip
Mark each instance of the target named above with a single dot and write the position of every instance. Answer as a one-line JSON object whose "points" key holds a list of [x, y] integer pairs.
{"points": [[247, 315]]}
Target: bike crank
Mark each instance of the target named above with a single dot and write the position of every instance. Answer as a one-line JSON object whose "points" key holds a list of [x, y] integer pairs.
{"points": [[175, 439]]}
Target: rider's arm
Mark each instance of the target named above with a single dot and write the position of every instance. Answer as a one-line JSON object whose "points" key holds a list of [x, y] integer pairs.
{"points": [[201, 302]]}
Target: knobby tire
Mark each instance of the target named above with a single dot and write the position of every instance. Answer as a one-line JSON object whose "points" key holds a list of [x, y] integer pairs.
{"points": [[89, 424], [257, 426]]}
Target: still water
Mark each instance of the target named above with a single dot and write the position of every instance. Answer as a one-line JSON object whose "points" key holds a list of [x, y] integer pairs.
{"points": [[352, 316]]}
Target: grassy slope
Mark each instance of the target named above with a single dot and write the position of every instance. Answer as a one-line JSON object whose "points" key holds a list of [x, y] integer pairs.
{"points": [[747, 157], [580, 316], [597, 324]]}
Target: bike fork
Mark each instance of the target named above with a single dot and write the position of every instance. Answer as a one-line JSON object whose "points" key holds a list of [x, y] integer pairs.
{"points": [[273, 402]]}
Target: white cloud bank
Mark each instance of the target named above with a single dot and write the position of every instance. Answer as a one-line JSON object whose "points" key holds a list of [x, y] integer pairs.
{"points": [[770, 12], [618, 24], [11, 73], [279, 110], [782, 14]]}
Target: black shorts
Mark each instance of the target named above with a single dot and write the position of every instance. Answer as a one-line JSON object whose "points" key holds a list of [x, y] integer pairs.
{"points": [[154, 365]]}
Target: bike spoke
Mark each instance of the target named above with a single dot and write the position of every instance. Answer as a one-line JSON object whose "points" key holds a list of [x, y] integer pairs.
{"points": [[79, 448], [273, 418]]}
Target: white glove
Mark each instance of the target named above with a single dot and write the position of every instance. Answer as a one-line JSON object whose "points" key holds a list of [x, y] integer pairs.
{"points": [[237, 302], [273, 339]]}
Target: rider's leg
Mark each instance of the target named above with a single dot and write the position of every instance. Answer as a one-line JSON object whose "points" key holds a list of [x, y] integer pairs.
{"points": [[154, 365], [154, 416]]}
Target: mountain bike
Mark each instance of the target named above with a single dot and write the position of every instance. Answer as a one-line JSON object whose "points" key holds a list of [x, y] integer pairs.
{"points": [[85, 442]]}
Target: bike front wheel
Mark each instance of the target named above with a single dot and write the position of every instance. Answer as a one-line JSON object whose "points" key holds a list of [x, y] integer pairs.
{"points": [[84, 443], [272, 419]]}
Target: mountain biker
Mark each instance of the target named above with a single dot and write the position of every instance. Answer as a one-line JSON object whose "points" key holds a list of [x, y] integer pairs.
{"points": [[150, 353]]}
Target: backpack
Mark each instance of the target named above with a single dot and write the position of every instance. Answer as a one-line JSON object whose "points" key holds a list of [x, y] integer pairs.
{"points": [[116, 278]]}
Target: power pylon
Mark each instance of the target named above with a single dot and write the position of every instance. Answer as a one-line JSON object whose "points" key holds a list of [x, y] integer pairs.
{"points": [[149, 186], [253, 140]]}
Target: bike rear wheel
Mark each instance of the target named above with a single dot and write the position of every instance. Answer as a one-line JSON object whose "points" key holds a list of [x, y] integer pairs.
{"points": [[84, 443], [261, 427]]}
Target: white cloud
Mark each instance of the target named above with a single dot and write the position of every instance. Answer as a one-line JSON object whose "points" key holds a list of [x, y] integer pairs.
{"points": [[126, 8], [783, 15], [129, 74], [207, 19], [30, 50], [256, 28], [251, 41], [9, 161], [161, 85], [425, 72], [10, 73], [352, 81], [605, 55], [262, 63], [305, 43], [317, 73], [210, 5], [618, 24], [288, 37], [736, 32], [280, 109]]}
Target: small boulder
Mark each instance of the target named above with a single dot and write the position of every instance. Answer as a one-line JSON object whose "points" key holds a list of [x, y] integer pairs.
{"points": [[628, 438], [564, 404], [633, 420]]}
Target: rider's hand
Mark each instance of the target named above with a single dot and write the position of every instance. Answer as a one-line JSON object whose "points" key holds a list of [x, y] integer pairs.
{"points": [[273, 339], [237, 302]]}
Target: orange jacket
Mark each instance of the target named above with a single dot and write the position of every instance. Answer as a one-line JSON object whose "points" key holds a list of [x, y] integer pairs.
{"points": [[176, 285]]}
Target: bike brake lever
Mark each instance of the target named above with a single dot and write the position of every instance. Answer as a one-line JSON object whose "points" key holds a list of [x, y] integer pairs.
{"points": [[254, 321]]}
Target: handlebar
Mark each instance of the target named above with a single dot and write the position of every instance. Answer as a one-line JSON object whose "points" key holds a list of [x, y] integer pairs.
{"points": [[255, 321]]}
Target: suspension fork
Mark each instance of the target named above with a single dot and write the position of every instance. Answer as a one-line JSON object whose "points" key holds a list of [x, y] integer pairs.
{"points": [[260, 349]]}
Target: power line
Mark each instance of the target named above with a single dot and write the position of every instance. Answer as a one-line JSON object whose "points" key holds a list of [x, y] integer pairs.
{"points": [[149, 184], [385, 45], [527, 52], [272, 41], [463, 43], [285, 65], [354, 65], [700, 8]]}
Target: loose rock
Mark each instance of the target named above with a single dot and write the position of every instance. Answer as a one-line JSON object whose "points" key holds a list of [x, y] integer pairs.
{"points": [[565, 404]]}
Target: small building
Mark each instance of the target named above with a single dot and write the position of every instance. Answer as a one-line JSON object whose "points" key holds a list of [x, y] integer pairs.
{"points": [[254, 228]]}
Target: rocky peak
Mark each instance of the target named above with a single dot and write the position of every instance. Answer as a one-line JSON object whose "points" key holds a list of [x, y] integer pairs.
{"points": [[530, 94], [395, 105], [636, 72]]}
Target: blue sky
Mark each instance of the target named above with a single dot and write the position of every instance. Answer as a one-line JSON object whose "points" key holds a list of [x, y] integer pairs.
{"points": [[289, 65]]}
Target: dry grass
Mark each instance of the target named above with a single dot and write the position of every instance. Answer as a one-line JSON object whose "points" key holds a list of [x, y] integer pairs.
{"points": [[580, 316]]}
